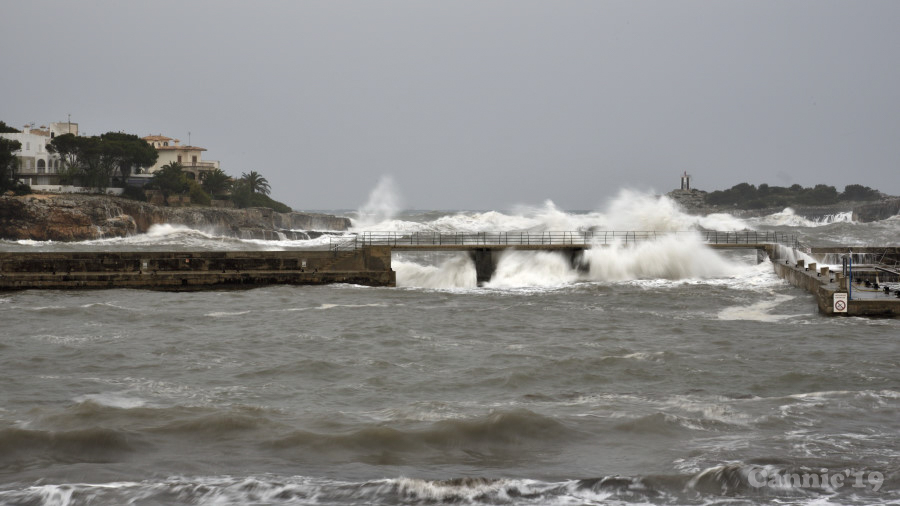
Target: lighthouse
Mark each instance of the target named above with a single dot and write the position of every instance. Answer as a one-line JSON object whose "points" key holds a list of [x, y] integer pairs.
{"points": [[686, 181]]}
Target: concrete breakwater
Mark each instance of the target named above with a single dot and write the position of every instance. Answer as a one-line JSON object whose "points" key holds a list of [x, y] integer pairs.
{"points": [[824, 283], [51, 217], [186, 271]]}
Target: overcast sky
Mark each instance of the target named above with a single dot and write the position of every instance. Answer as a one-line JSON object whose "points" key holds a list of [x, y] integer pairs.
{"points": [[476, 104]]}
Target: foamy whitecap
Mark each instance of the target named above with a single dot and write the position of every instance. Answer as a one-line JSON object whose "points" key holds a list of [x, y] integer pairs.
{"points": [[113, 400], [789, 218], [758, 311], [220, 314]]}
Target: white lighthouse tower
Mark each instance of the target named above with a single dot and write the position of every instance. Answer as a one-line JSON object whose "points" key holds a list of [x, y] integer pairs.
{"points": [[686, 181]]}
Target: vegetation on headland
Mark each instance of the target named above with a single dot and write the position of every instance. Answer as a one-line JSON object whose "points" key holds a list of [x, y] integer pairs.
{"points": [[9, 165], [108, 160], [250, 190], [748, 196], [101, 161]]}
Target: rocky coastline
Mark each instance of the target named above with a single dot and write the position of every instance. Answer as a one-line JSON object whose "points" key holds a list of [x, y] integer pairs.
{"points": [[694, 202], [67, 217]]}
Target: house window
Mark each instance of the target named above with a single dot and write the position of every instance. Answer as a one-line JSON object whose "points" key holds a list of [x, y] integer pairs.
{"points": [[179, 158], [41, 166], [194, 160]]}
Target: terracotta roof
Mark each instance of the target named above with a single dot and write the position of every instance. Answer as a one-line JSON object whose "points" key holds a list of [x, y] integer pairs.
{"points": [[180, 148], [157, 138]]}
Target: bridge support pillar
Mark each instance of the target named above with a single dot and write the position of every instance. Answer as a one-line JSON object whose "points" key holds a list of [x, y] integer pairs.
{"points": [[761, 256], [576, 260], [484, 264]]}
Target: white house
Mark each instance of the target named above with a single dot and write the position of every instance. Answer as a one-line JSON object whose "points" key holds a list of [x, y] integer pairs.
{"points": [[37, 166], [170, 150]]}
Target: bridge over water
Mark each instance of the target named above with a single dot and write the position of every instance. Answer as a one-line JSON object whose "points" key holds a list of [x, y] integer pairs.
{"points": [[365, 259], [481, 246]]}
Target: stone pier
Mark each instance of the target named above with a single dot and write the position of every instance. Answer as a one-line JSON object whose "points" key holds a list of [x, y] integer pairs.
{"points": [[185, 271]]}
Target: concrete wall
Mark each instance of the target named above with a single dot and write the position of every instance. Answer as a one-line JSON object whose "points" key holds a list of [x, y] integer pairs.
{"points": [[194, 270], [824, 291], [74, 189]]}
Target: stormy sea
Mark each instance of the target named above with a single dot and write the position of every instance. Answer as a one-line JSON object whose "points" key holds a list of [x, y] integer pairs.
{"points": [[658, 373]]}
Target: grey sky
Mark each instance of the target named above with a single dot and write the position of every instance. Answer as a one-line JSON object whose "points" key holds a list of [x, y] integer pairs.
{"points": [[476, 105]]}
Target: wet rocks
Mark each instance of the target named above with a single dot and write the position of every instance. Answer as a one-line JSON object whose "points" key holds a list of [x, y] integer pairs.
{"points": [[54, 217]]}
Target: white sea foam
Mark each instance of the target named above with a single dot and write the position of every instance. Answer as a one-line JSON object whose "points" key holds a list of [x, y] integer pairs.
{"points": [[632, 210], [332, 306], [789, 218], [383, 204], [681, 258], [758, 311], [629, 210], [456, 272], [113, 400], [220, 314], [669, 257], [532, 269]]}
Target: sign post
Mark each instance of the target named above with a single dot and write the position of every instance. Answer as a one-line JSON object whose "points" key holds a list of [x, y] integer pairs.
{"points": [[840, 302]]}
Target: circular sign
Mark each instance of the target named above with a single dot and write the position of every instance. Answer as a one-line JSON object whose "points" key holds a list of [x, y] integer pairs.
{"points": [[840, 305]]}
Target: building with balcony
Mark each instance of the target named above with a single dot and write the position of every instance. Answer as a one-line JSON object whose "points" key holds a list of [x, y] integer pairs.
{"points": [[37, 166], [170, 150]]}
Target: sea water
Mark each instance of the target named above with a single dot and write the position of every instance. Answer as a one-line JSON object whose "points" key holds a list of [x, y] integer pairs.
{"points": [[660, 373]]}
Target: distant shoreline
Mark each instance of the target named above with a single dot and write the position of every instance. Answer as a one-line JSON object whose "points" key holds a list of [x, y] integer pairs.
{"points": [[75, 217], [695, 201]]}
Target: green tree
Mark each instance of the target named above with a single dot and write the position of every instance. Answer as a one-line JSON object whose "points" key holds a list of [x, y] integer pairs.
{"points": [[198, 196], [859, 192], [6, 129], [9, 164], [243, 197], [820, 195], [170, 179], [215, 182], [256, 183], [127, 152], [93, 161]]}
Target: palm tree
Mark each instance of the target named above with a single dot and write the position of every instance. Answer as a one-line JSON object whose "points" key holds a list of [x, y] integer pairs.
{"points": [[256, 183], [215, 182]]}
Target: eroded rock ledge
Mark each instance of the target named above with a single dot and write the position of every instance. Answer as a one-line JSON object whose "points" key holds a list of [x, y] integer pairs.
{"points": [[50, 217]]}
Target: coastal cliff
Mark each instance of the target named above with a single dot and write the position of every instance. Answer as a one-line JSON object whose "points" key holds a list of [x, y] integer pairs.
{"points": [[58, 217], [877, 211]]}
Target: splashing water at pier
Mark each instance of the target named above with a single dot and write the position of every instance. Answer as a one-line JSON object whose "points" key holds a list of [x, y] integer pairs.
{"points": [[658, 372]]}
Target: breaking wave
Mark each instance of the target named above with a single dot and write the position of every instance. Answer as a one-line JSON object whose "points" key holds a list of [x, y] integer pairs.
{"points": [[630, 210], [732, 482], [671, 257], [789, 218]]}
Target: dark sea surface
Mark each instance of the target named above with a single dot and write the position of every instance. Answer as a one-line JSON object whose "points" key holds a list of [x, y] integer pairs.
{"points": [[663, 374]]}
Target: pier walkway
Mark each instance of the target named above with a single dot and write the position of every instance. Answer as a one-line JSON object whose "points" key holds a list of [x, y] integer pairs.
{"points": [[481, 246], [549, 240], [365, 258]]}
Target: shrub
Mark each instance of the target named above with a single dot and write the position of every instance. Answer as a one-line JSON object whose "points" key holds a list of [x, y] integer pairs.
{"points": [[198, 196]]}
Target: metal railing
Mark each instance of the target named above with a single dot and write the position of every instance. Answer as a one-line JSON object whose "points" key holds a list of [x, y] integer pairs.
{"points": [[549, 238]]}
